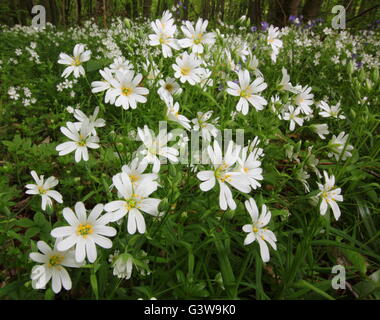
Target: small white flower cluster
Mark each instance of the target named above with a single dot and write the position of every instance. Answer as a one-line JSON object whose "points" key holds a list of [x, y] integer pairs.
{"points": [[66, 84], [82, 134], [74, 62], [121, 85], [123, 264], [134, 188], [33, 54], [274, 42], [239, 168], [15, 93]]}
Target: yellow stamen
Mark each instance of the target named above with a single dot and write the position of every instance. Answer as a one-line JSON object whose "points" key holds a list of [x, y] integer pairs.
{"points": [[169, 87], [131, 203], [133, 178], [76, 62], [185, 71], [41, 190], [55, 260], [198, 38], [126, 91], [244, 94], [84, 230]]}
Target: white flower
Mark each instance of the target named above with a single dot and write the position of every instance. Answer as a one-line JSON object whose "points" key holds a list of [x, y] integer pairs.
{"points": [[122, 265], [167, 19], [338, 144], [187, 68], [169, 87], [13, 93], [293, 117], [52, 267], [92, 120], [172, 113], [135, 171], [155, 146], [329, 195], [75, 62], [84, 232], [43, 188], [304, 99], [82, 139], [274, 42], [223, 172], [207, 129], [205, 78], [330, 111], [247, 92], [302, 175], [285, 82], [135, 199], [120, 64], [257, 230], [249, 165], [320, 129], [252, 65], [164, 36], [105, 85], [153, 72], [126, 91], [197, 38]]}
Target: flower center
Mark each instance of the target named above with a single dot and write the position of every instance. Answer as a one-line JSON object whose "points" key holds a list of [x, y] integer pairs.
{"points": [[244, 94], [169, 87], [76, 62], [324, 195], [41, 190], [185, 71], [130, 204], [126, 91], [84, 230], [163, 39], [133, 178], [220, 175], [55, 260], [198, 38], [82, 141], [254, 229]]}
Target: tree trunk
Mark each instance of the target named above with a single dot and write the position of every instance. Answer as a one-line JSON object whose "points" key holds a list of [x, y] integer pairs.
{"points": [[277, 13], [54, 12], [164, 5], [104, 14], [135, 9], [292, 8], [146, 8], [67, 7], [79, 11], [221, 9], [90, 8], [158, 8], [205, 9], [213, 9], [312, 9], [29, 6], [254, 11]]}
